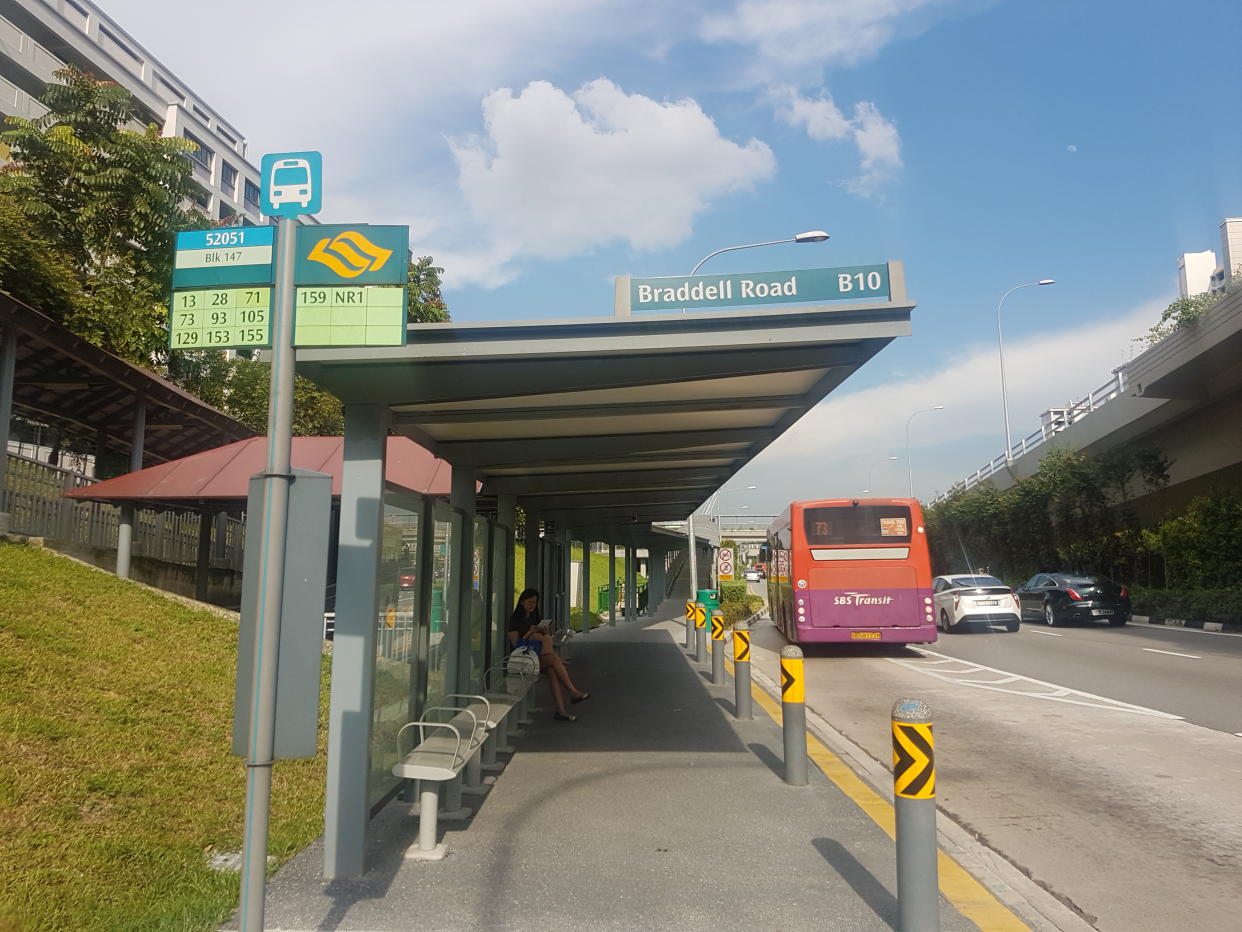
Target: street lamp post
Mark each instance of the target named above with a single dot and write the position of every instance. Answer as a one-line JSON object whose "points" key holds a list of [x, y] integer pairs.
{"points": [[909, 467], [1000, 349], [887, 459], [811, 236]]}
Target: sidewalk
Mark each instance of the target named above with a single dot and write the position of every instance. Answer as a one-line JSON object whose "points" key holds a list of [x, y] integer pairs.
{"points": [[655, 810]]}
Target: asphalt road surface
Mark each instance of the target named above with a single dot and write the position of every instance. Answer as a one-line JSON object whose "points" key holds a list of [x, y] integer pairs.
{"points": [[1101, 761]]}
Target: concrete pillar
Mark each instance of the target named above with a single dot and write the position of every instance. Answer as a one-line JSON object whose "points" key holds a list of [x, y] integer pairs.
{"points": [[202, 567], [462, 497], [8, 365], [350, 709], [565, 544], [125, 531]]}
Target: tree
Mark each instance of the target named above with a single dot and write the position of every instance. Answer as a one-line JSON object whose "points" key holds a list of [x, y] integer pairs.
{"points": [[105, 201], [426, 302]]}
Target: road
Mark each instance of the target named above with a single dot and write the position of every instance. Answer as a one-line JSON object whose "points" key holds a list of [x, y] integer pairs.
{"points": [[1101, 761]]}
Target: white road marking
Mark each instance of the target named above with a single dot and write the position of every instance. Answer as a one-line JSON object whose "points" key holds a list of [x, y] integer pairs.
{"points": [[1052, 691], [1172, 653], [1050, 634]]}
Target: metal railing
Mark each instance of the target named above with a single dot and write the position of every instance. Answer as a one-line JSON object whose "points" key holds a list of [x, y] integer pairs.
{"points": [[34, 499], [1055, 420]]}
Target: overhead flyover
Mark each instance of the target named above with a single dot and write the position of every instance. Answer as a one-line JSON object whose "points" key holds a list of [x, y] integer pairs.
{"points": [[596, 427]]}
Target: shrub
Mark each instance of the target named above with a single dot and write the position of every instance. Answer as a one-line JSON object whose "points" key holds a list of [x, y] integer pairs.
{"points": [[575, 619]]}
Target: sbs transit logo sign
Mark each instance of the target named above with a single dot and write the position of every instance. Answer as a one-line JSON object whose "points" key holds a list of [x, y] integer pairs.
{"points": [[349, 254]]}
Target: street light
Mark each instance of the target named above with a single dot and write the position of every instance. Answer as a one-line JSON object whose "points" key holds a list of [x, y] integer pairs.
{"points": [[909, 467], [887, 459], [811, 236], [1000, 349]]}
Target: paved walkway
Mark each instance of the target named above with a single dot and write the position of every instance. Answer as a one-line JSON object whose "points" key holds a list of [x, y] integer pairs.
{"points": [[655, 810]]}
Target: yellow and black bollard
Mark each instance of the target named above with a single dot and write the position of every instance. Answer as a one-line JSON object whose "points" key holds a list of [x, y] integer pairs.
{"points": [[914, 802], [718, 647], [700, 632], [741, 670], [793, 715], [690, 625]]}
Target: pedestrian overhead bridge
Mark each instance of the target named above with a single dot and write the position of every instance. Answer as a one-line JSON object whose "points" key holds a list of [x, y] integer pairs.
{"points": [[594, 427]]}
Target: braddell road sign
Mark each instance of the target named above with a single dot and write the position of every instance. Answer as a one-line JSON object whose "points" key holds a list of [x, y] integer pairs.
{"points": [[747, 289]]}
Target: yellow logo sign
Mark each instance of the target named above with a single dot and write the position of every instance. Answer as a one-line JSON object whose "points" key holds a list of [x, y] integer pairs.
{"points": [[349, 254]]}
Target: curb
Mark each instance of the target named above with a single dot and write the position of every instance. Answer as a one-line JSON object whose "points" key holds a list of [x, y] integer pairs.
{"points": [[1219, 626]]}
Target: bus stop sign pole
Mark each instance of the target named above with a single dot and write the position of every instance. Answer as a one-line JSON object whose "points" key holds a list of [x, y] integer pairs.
{"points": [[292, 184]]}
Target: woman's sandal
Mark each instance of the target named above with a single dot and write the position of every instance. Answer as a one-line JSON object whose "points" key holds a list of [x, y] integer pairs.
{"points": [[582, 698], [565, 718]]}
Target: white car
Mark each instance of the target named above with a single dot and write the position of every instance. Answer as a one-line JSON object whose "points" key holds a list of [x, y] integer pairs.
{"points": [[964, 600], [753, 575]]}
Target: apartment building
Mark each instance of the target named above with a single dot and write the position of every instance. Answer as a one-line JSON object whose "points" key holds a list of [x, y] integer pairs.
{"points": [[39, 36]]}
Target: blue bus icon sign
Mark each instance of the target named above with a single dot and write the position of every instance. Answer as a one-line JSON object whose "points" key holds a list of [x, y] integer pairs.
{"points": [[291, 183]]}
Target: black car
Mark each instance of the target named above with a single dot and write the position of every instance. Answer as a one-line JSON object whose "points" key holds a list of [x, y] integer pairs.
{"points": [[1057, 598]]}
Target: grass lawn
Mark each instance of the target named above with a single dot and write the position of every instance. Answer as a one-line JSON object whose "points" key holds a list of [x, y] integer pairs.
{"points": [[599, 572], [116, 779]]}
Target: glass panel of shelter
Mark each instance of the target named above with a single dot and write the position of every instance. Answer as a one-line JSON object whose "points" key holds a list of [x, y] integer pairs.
{"points": [[442, 643], [480, 590], [395, 636]]}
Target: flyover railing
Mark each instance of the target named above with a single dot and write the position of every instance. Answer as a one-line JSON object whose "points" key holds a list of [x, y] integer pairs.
{"points": [[1054, 421]]}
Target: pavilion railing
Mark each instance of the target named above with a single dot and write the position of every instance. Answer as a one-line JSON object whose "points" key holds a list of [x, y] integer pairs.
{"points": [[34, 499]]}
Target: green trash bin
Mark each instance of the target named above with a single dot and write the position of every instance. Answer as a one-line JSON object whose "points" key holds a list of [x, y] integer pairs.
{"points": [[710, 599]]}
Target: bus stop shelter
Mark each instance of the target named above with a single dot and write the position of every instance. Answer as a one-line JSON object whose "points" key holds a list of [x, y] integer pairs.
{"points": [[595, 427]]}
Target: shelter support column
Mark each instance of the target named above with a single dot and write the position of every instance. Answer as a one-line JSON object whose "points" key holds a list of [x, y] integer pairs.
{"points": [[586, 586], [612, 583], [566, 557], [125, 531], [350, 712], [8, 365], [506, 517], [655, 578], [462, 498], [631, 583], [534, 565], [202, 567]]}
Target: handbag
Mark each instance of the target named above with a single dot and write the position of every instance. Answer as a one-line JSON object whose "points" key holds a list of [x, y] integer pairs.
{"points": [[522, 662]]}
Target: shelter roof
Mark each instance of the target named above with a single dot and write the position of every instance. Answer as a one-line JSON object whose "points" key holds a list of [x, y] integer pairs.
{"points": [[87, 393], [221, 476], [604, 423]]}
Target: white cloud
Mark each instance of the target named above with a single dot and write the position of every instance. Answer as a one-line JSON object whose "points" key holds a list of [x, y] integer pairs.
{"points": [[832, 448], [789, 36], [1071, 148], [877, 140], [559, 174]]}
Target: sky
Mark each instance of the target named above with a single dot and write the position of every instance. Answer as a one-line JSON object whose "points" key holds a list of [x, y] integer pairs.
{"points": [[538, 149]]}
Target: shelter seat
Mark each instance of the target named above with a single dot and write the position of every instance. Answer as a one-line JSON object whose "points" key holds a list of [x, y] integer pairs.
{"points": [[451, 738]]}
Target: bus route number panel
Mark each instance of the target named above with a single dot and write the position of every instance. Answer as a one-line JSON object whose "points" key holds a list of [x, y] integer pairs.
{"points": [[220, 318], [367, 315]]}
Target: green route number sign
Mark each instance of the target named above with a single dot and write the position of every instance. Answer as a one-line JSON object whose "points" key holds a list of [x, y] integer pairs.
{"points": [[363, 315], [221, 318]]}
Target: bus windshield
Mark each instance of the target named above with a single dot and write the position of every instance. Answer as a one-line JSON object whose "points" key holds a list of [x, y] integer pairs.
{"points": [[857, 524]]}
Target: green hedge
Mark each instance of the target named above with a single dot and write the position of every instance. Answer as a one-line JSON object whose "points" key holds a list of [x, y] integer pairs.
{"points": [[734, 592], [1216, 605]]}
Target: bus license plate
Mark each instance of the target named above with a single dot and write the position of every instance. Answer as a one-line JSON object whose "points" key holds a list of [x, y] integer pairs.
{"points": [[864, 635], [1101, 611]]}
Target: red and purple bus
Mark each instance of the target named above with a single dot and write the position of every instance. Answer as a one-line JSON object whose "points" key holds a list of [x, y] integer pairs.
{"points": [[851, 570]]}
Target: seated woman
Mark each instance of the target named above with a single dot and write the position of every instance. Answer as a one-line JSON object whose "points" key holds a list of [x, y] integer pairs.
{"points": [[526, 628]]}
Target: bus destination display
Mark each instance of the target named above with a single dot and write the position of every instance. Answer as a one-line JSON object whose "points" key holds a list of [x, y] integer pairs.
{"points": [[220, 318]]}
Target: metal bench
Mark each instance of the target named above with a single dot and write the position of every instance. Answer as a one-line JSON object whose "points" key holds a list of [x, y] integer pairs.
{"points": [[464, 734]]}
